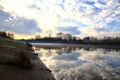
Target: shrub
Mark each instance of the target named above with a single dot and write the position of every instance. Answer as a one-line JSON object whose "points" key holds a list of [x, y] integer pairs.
{"points": [[28, 44], [24, 60]]}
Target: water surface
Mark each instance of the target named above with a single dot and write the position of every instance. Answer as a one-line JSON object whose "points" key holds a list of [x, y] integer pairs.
{"points": [[77, 63]]}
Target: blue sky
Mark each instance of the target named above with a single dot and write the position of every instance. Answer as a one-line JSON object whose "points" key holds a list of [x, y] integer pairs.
{"points": [[78, 17]]}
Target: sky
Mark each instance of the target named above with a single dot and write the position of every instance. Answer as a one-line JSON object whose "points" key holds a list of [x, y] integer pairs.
{"points": [[78, 17]]}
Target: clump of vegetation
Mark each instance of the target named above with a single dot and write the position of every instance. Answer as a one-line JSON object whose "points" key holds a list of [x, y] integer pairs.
{"points": [[28, 44], [24, 60], [7, 35], [15, 54]]}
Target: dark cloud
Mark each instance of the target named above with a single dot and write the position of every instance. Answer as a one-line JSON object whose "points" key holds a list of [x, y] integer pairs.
{"points": [[18, 25], [72, 30], [114, 62], [97, 9], [89, 3], [102, 2], [68, 57], [100, 29]]}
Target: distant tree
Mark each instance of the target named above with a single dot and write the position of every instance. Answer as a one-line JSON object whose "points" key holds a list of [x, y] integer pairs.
{"points": [[74, 38], [60, 35], [6, 34], [106, 40], [67, 36], [3, 34], [86, 39], [49, 35], [37, 37], [11, 35]]}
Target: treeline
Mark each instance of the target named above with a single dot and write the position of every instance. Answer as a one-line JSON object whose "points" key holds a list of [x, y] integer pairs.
{"points": [[105, 40], [55, 40], [59, 38], [7, 35], [69, 38]]}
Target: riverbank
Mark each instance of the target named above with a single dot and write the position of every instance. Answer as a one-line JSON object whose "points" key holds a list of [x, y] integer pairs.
{"points": [[18, 62], [58, 45]]}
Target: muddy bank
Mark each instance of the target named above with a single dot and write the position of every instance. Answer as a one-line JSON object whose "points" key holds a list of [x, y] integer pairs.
{"points": [[14, 66]]}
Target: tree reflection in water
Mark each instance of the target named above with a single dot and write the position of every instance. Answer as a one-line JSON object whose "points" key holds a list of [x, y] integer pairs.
{"points": [[79, 63]]}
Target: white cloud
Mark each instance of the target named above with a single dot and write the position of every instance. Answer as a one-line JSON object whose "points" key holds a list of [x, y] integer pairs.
{"points": [[82, 64], [50, 14]]}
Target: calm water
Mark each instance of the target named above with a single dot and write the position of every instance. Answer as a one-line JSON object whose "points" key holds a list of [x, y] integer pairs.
{"points": [[75, 63]]}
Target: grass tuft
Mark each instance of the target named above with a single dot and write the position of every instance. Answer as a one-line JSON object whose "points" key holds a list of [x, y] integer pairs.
{"points": [[24, 60]]}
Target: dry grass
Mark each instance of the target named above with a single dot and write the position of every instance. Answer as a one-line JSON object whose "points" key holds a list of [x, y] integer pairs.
{"points": [[15, 54], [21, 60], [15, 63], [24, 60]]}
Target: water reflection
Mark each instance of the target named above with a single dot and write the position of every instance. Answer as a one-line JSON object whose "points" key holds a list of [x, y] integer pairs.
{"points": [[77, 63]]}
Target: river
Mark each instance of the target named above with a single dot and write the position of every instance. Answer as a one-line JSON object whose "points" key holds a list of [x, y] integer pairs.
{"points": [[78, 63]]}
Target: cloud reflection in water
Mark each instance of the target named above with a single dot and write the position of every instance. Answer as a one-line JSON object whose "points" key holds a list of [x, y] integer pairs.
{"points": [[82, 65]]}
